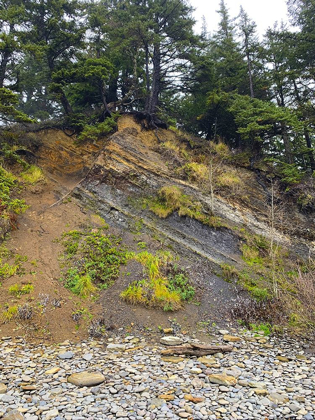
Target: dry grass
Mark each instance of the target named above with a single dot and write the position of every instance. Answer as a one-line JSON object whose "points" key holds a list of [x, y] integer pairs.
{"points": [[197, 172], [229, 180]]}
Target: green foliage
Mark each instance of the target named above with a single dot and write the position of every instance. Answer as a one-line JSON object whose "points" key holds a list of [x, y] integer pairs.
{"points": [[179, 282], [32, 175], [196, 172], [289, 174], [158, 289], [265, 328], [83, 286], [94, 259], [251, 255], [8, 111], [9, 313], [229, 272], [7, 269], [95, 132], [18, 290], [8, 204]]}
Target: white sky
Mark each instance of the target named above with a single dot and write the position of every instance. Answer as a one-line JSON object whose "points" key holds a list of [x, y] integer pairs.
{"points": [[265, 13]]}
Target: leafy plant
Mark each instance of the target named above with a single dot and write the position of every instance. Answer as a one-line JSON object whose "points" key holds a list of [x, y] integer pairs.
{"points": [[265, 328], [18, 290], [163, 287], [94, 259], [94, 132]]}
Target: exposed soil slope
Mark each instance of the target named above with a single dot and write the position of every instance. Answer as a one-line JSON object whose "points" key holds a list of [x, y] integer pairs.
{"points": [[113, 179]]}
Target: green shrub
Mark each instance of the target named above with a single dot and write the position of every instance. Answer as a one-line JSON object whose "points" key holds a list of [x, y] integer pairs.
{"points": [[94, 258], [158, 289], [95, 132]]}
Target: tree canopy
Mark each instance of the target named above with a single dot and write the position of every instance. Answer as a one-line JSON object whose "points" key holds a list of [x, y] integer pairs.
{"points": [[84, 60]]}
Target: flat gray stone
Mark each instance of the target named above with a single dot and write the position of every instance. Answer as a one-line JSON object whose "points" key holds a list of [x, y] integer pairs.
{"points": [[116, 347], [86, 379], [66, 355], [171, 340]]}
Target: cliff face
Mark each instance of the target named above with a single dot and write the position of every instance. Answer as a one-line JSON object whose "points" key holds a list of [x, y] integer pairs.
{"points": [[155, 188], [133, 166]]}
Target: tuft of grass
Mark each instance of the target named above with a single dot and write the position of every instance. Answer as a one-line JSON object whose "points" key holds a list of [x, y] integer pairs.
{"points": [[9, 206], [6, 269], [84, 286], [32, 175], [196, 172], [230, 180], [159, 289], [265, 328], [9, 313], [171, 198]]}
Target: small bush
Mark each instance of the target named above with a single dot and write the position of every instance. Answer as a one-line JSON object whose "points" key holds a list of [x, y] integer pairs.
{"points": [[251, 255], [25, 312], [249, 311], [84, 286], [165, 287], [94, 258], [180, 283], [265, 328], [95, 132], [196, 172], [8, 204], [171, 199], [229, 272], [229, 180]]}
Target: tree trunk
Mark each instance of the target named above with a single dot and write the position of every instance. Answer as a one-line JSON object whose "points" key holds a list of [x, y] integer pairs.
{"points": [[147, 77], [106, 112], [284, 130], [3, 66], [65, 103], [153, 101], [306, 133], [310, 153], [286, 143], [249, 65]]}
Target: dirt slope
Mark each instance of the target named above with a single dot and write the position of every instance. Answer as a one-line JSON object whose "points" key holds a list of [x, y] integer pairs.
{"points": [[110, 179]]}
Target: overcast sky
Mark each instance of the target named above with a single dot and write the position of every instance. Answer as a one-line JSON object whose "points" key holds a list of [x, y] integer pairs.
{"points": [[265, 13]]}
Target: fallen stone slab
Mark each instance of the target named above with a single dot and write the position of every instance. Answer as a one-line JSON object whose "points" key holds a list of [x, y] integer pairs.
{"points": [[13, 415], [171, 340], [86, 379], [194, 349], [222, 379]]}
